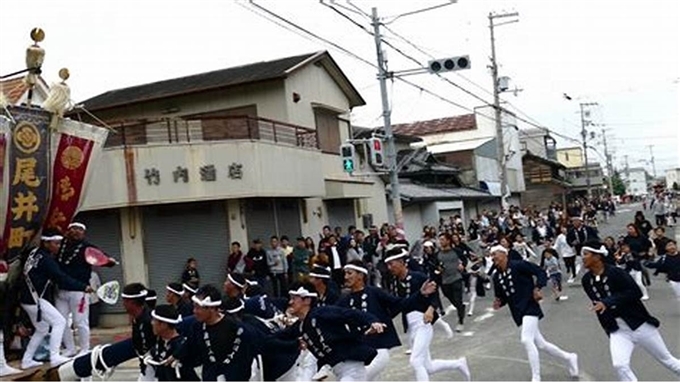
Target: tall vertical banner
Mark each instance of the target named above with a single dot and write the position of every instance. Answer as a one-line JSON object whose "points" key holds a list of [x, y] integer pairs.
{"points": [[78, 145], [5, 129], [28, 181]]}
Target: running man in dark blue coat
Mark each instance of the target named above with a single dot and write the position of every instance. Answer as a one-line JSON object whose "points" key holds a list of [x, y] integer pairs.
{"points": [[514, 286]]}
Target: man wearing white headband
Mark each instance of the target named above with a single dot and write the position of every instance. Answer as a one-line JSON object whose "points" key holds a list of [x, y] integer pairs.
{"points": [[103, 358], [41, 270], [70, 301], [417, 317], [224, 346], [170, 357], [334, 335], [382, 305], [514, 286], [174, 295], [615, 298]]}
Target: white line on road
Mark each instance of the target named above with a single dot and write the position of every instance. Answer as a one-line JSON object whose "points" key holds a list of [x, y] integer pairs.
{"points": [[483, 317]]}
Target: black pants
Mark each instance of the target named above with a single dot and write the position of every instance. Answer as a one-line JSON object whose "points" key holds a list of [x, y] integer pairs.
{"points": [[454, 292], [280, 284], [660, 220], [570, 264], [95, 310]]}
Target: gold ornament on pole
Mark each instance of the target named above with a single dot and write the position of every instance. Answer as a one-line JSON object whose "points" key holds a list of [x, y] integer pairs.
{"points": [[35, 55]]}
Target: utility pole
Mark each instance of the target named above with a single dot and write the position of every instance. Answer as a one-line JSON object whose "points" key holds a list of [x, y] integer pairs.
{"points": [[389, 135], [608, 157], [584, 135], [500, 145], [651, 152]]}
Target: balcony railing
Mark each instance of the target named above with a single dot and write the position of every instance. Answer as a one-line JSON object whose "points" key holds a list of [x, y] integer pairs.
{"points": [[210, 129]]}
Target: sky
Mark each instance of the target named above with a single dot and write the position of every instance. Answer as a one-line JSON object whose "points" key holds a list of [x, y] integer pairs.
{"points": [[624, 55]]}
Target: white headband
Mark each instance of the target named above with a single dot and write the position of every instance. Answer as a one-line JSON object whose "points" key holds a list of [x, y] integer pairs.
{"points": [[404, 253], [302, 292], [78, 225], [169, 289], [52, 238], [602, 250], [165, 319], [239, 308], [319, 275], [238, 284], [207, 301], [151, 298], [356, 268], [498, 248], [141, 294], [190, 289], [251, 282]]}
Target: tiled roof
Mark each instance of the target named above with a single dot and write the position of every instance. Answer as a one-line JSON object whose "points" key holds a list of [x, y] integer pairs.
{"points": [[13, 89], [434, 126], [220, 79], [418, 192]]}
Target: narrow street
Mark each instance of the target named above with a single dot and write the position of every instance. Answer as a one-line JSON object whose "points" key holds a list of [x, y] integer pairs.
{"points": [[491, 343]]}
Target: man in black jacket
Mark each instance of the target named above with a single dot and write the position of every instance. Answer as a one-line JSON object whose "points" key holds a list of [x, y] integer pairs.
{"points": [[616, 301]]}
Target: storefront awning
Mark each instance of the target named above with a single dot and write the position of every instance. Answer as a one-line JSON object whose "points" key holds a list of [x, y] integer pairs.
{"points": [[337, 189]]}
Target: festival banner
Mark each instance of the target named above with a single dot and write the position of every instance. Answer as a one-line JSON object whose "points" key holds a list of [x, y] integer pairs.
{"points": [[5, 128], [28, 180], [77, 149]]}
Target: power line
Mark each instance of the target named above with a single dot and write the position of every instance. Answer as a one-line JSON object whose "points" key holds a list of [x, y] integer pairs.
{"points": [[367, 62]]}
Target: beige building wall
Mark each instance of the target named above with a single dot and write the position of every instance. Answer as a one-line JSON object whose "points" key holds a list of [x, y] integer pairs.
{"points": [[314, 86], [570, 157]]}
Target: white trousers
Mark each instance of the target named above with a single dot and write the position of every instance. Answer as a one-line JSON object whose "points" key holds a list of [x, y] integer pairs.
{"points": [[50, 319], [676, 289], [78, 305], [306, 366], [420, 337], [637, 276], [350, 371], [378, 364], [623, 341], [532, 339]]}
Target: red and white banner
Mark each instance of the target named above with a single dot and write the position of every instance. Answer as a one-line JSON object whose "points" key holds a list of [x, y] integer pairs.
{"points": [[76, 147]]}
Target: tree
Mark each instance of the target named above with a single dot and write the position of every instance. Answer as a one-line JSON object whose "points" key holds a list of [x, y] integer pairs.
{"points": [[618, 184], [676, 187]]}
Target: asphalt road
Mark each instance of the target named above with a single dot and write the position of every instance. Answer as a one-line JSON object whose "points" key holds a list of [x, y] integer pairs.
{"points": [[490, 340]]}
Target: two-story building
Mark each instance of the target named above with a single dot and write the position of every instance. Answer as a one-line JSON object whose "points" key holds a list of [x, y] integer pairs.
{"points": [[468, 142], [544, 176], [578, 174], [235, 154]]}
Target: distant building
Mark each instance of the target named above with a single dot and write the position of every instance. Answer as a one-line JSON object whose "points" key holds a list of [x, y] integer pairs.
{"points": [[570, 157], [468, 142], [545, 177], [636, 181], [672, 177]]}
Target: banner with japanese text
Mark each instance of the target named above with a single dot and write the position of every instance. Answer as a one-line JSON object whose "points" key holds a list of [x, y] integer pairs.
{"points": [[28, 180], [78, 145]]}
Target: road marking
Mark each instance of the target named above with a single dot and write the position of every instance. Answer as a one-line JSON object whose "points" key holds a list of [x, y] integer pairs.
{"points": [[483, 317]]}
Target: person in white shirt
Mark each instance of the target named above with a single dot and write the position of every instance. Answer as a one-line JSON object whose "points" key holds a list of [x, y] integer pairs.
{"points": [[566, 252]]}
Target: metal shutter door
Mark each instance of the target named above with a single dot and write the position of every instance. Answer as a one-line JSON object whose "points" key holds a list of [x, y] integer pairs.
{"points": [[341, 213], [288, 218], [103, 230], [260, 221], [173, 233]]}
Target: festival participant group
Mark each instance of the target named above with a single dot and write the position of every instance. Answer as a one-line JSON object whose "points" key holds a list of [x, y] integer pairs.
{"points": [[315, 311]]}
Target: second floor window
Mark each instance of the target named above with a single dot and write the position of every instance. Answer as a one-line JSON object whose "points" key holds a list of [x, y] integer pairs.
{"points": [[328, 130]]}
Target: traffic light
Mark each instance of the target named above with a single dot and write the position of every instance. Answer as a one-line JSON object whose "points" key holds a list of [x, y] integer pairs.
{"points": [[375, 150], [347, 154], [449, 64]]}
